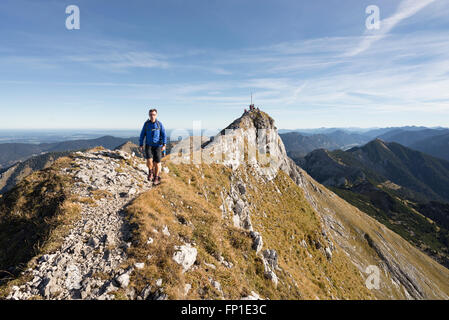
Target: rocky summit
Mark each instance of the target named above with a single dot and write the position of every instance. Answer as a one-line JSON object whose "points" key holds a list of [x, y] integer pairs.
{"points": [[246, 224]]}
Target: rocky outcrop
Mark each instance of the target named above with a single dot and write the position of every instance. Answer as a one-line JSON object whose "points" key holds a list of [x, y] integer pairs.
{"points": [[250, 140]]}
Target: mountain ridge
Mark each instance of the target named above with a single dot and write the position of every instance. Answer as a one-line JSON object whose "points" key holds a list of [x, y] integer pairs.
{"points": [[394, 184], [244, 225]]}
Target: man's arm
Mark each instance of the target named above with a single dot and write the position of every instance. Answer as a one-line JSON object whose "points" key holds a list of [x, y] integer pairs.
{"points": [[142, 135]]}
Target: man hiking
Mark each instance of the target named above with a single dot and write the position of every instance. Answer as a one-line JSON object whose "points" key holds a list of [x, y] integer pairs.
{"points": [[155, 142]]}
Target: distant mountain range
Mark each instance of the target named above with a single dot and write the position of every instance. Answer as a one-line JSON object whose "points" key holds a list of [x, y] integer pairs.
{"points": [[425, 177], [408, 137], [299, 144], [10, 176], [433, 141], [369, 132], [437, 146], [405, 189], [10, 153]]}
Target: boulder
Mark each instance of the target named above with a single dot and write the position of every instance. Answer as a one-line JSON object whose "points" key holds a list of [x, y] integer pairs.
{"points": [[73, 278], [123, 280], [328, 253], [252, 296], [139, 265], [165, 231], [271, 257], [257, 241], [185, 255]]}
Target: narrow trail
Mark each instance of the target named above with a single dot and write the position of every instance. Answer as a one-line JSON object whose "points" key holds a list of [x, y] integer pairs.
{"points": [[87, 265]]}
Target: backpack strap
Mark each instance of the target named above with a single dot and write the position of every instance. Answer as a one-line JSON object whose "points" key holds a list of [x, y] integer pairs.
{"points": [[146, 125]]}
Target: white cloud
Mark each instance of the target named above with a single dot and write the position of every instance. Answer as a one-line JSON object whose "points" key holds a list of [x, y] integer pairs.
{"points": [[406, 9]]}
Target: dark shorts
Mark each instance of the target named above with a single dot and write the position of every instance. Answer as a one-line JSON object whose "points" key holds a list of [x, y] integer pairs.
{"points": [[154, 153]]}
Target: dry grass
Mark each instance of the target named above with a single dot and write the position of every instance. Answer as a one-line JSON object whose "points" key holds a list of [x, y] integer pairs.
{"points": [[101, 194], [34, 218], [357, 224], [188, 203]]}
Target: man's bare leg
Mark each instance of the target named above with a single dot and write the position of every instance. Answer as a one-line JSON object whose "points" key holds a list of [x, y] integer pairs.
{"points": [[150, 165], [158, 169]]}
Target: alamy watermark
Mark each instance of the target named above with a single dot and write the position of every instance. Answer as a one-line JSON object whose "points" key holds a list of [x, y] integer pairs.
{"points": [[72, 22], [373, 279], [229, 147], [372, 22]]}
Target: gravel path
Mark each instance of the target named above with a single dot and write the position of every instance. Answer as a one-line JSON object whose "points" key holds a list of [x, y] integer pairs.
{"points": [[87, 265]]}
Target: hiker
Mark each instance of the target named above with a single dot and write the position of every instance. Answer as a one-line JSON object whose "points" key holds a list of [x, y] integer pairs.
{"points": [[155, 143]]}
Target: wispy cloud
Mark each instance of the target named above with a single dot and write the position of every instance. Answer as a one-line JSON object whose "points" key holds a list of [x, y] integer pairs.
{"points": [[122, 60], [406, 9]]}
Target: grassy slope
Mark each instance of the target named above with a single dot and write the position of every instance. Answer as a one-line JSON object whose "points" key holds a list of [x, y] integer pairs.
{"points": [[283, 218], [401, 217], [354, 225]]}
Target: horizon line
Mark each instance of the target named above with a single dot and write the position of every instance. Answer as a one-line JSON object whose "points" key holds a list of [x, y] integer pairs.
{"points": [[185, 128]]}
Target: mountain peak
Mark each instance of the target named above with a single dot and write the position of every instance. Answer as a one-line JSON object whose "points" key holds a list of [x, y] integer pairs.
{"points": [[256, 119], [377, 143], [252, 139]]}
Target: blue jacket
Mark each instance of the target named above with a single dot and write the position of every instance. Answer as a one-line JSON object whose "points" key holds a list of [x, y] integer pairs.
{"points": [[154, 133]]}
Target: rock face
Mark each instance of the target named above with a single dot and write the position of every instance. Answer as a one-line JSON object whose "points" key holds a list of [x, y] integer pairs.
{"points": [[87, 265], [265, 151], [252, 141], [252, 296]]}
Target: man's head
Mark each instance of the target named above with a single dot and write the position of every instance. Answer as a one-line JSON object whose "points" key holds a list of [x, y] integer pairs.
{"points": [[152, 114]]}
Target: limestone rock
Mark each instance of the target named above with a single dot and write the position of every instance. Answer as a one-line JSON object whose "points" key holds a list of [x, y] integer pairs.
{"points": [[185, 255], [257, 241], [123, 280], [252, 296]]}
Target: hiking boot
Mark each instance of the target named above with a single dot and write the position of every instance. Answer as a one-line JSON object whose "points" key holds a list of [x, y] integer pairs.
{"points": [[157, 180], [151, 176]]}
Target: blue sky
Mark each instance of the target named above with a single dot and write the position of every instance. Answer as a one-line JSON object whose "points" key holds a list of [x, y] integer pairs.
{"points": [[309, 63]]}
